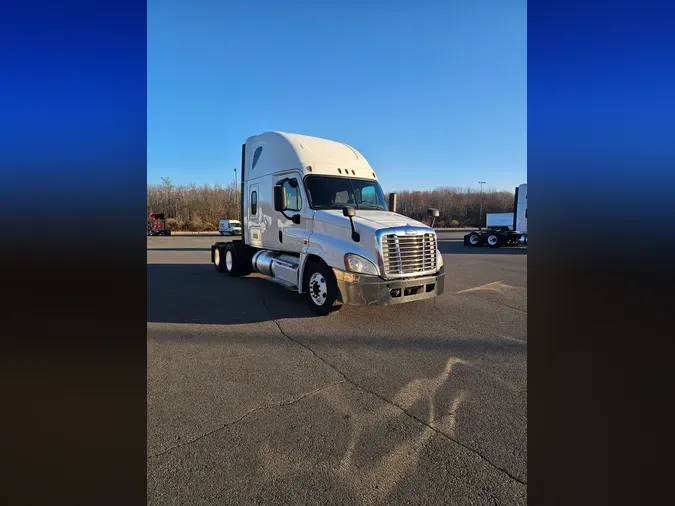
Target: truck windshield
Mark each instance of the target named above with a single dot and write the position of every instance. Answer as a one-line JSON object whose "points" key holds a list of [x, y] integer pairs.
{"points": [[327, 192]]}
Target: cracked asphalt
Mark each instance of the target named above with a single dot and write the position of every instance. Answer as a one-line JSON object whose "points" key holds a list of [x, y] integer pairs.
{"points": [[252, 399]]}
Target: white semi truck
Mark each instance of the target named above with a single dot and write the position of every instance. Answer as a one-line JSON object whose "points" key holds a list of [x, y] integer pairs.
{"points": [[503, 229], [315, 220]]}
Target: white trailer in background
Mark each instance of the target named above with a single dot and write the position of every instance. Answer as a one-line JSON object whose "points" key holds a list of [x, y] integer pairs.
{"points": [[499, 221], [504, 229]]}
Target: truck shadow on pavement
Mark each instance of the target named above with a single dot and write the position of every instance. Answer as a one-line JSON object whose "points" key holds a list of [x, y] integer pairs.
{"points": [[457, 247], [197, 294], [179, 249]]}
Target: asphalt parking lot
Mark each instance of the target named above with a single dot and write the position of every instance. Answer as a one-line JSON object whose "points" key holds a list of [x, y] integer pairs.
{"points": [[252, 399]]}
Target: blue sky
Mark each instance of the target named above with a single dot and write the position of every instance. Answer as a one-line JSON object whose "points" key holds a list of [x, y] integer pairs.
{"points": [[431, 95]]}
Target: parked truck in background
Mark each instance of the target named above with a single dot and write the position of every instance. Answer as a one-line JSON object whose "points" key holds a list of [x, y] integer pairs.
{"points": [[315, 221], [157, 225], [503, 229]]}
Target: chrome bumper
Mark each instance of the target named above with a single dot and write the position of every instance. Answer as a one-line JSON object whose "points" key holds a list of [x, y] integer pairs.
{"points": [[359, 290]]}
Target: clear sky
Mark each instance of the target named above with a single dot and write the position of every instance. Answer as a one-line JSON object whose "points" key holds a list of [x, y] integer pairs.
{"points": [[432, 95]]}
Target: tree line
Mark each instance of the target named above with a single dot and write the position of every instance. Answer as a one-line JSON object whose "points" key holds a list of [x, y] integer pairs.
{"points": [[200, 208]]}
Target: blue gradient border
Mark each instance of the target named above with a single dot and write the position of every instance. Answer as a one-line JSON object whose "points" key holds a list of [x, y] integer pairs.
{"points": [[601, 163], [72, 142], [601, 160]]}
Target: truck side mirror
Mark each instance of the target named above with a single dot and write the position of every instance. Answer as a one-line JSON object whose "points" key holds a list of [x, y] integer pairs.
{"points": [[350, 212], [433, 214], [279, 199], [392, 202]]}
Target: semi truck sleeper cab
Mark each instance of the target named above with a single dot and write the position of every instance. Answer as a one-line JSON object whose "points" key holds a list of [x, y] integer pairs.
{"points": [[315, 220]]}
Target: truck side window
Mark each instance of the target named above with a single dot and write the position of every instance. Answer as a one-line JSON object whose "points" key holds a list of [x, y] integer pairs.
{"points": [[368, 195], [254, 203], [256, 156], [293, 197]]}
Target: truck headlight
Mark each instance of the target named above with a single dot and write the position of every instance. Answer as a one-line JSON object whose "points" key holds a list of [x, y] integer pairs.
{"points": [[439, 259], [356, 263]]}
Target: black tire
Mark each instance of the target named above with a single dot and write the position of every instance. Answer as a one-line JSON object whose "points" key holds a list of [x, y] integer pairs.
{"points": [[239, 257], [219, 259], [321, 288], [231, 261], [222, 233], [493, 240], [475, 239]]}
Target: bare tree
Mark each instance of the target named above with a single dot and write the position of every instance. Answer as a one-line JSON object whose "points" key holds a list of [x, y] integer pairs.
{"points": [[189, 207]]}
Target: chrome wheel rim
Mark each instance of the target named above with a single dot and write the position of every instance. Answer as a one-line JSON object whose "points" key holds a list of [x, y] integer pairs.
{"points": [[228, 260], [473, 239], [216, 257], [492, 240], [318, 289]]}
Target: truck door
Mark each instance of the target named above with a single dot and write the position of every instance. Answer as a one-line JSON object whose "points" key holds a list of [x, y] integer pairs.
{"points": [[291, 236], [253, 217]]}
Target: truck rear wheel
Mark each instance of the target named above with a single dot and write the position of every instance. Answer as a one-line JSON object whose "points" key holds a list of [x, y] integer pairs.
{"points": [[321, 288], [474, 239], [493, 240], [219, 259], [237, 259], [232, 261]]}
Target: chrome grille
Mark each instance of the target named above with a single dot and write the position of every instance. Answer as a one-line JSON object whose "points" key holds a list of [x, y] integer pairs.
{"points": [[409, 254]]}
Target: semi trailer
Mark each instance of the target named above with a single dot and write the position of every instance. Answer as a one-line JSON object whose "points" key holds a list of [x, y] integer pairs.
{"points": [[315, 220], [499, 221], [503, 229]]}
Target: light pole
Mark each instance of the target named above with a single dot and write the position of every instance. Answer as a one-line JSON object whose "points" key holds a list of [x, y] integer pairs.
{"points": [[480, 216]]}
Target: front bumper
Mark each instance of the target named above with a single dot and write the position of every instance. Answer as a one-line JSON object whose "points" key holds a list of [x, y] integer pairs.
{"points": [[359, 290]]}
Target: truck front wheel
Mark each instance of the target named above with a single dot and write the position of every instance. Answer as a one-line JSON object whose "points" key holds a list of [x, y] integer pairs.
{"points": [[321, 288]]}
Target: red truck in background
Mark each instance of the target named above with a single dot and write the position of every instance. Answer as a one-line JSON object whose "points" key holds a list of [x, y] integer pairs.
{"points": [[157, 225]]}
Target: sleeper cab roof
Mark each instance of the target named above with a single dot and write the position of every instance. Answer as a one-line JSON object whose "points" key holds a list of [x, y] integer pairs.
{"points": [[272, 152]]}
